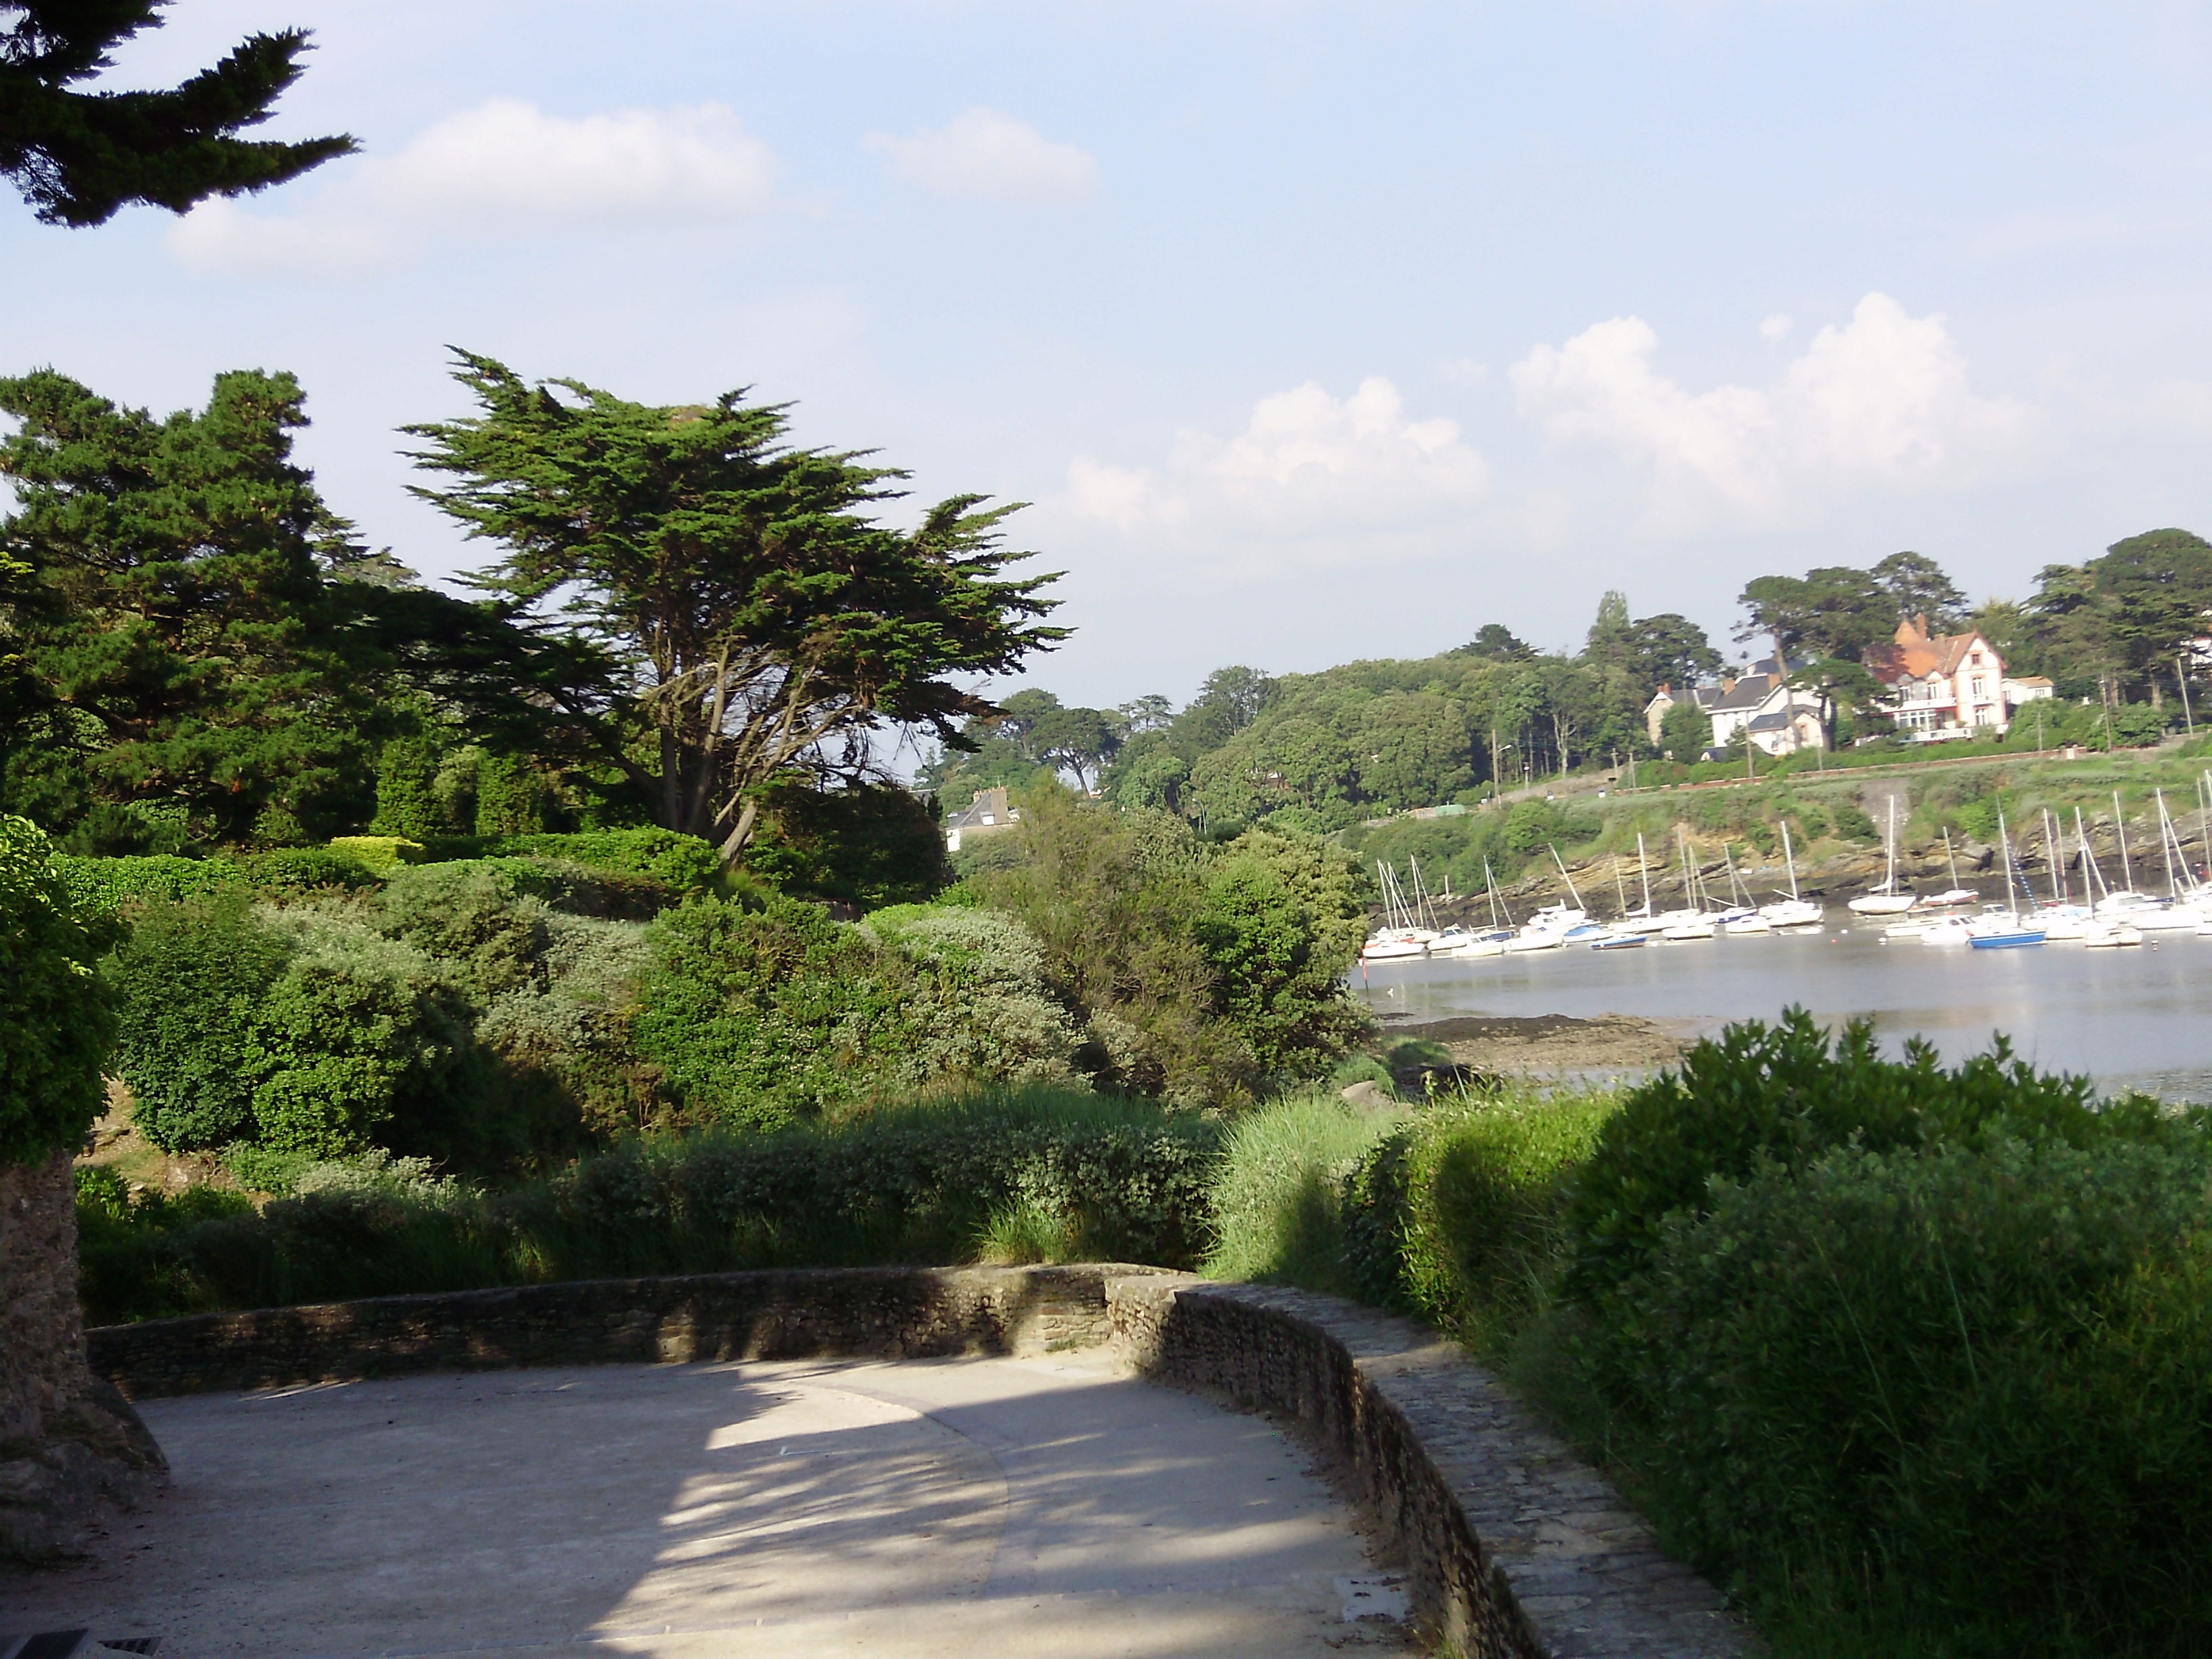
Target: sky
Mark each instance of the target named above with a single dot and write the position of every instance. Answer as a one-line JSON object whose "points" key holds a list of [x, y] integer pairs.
{"points": [[1311, 332]]}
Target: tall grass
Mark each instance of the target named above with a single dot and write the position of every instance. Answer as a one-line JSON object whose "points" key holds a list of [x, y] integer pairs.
{"points": [[1277, 1201]]}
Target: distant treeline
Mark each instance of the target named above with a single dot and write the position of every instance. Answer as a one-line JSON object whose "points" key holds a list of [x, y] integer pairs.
{"points": [[2117, 636]]}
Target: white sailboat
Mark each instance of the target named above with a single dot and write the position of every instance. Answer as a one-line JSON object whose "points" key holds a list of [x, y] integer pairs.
{"points": [[1742, 916], [1958, 894], [1795, 913], [1886, 900], [1694, 920], [2005, 930], [1400, 935], [1642, 920]]}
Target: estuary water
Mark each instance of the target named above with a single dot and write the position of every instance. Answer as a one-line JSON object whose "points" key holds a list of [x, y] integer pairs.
{"points": [[2137, 1018]]}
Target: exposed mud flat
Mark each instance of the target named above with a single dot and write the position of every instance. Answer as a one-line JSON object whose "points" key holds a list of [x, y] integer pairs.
{"points": [[1548, 1043]]}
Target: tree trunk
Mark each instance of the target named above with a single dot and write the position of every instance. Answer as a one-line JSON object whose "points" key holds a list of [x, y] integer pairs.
{"points": [[71, 1445]]}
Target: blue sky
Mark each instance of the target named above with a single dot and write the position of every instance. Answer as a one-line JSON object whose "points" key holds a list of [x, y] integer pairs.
{"points": [[1313, 332]]}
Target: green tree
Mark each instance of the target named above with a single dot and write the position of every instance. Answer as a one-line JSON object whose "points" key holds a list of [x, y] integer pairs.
{"points": [[55, 1015], [1496, 642], [406, 790], [78, 157], [1668, 649], [713, 607], [1686, 731], [1918, 587], [175, 630], [1833, 611], [1841, 686], [2156, 589], [1282, 923], [1151, 713]]}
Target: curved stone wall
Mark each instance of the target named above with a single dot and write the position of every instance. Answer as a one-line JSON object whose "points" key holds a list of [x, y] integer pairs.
{"points": [[1514, 1548]]}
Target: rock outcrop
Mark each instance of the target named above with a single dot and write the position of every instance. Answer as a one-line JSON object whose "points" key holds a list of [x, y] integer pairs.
{"points": [[71, 1445]]}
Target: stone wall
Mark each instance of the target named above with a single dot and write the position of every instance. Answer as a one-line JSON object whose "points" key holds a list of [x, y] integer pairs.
{"points": [[883, 1312], [1514, 1548], [69, 1444]]}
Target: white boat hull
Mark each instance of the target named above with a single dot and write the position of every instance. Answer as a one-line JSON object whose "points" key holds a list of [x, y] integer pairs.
{"points": [[1882, 904]]}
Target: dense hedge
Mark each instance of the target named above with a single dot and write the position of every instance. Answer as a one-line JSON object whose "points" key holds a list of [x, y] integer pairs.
{"points": [[933, 1184], [1918, 1358]]}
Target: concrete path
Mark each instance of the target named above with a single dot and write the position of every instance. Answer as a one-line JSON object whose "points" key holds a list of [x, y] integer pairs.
{"points": [[969, 1507]]}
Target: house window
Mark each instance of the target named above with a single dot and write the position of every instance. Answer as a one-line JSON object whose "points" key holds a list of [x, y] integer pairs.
{"points": [[1981, 686]]}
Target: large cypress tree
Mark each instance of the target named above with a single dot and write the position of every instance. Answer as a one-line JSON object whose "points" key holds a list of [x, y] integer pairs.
{"points": [[78, 157], [710, 607]]}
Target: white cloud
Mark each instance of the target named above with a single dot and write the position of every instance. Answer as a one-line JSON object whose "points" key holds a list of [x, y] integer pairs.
{"points": [[1774, 327], [1882, 404], [1311, 479], [504, 167], [984, 153]]}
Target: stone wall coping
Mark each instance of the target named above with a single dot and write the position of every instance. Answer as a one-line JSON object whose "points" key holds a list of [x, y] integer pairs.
{"points": [[1514, 1548]]}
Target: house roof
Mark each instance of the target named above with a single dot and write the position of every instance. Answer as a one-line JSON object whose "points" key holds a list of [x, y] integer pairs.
{"points": [[1916, 654], [990, 802], [1779, 720], [1749, 692]]}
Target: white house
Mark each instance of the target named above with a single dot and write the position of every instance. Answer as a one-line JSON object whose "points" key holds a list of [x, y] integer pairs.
{"points": [[982, 815], [1762, 705], [1943, 685]]}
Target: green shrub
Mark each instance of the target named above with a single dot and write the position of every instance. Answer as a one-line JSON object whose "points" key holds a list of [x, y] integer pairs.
{"points": [[381, 854], [684, 864], [56, 1017], [407, 805], [188, 982], [102, 886], [611, 895], [1956, 1396], [868, 846], [982, 1010], [470, 919], [567, 1064], [763, 1017], [1460, 1216], [1852, 824], [1788, 1093], [303, 869], [361, 1037]]}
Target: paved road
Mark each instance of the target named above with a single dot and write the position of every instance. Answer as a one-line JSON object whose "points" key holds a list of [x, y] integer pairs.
{"points": [[969, 1507]]}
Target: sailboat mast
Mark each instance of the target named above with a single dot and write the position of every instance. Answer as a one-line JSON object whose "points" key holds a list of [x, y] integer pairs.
{"points": [[1644, 873], [1567, 878], [2054, 844], [2091, 873], [2165, 843], [2120, 829], [1789, 855], [2004, 840]]}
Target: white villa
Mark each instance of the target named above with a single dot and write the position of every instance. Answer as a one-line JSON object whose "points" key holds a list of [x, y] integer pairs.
{"points": [[1772, 714], [1948, 685]]}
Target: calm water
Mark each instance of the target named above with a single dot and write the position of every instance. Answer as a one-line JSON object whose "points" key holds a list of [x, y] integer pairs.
{"points": [[2139, 1017]]}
